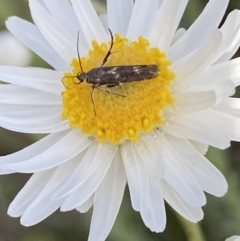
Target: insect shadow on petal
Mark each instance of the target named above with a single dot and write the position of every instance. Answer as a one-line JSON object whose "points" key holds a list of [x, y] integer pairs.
{"points": [[112, 76]]}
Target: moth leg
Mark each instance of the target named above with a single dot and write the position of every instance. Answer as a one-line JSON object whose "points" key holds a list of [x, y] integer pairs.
{"points": [[92, 98], [112, 85], [110, 92], [77, 83], [109, 51]]}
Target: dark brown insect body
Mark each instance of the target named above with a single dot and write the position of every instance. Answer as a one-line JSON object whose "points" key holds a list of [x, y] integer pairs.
{"points": [[116, 75], [112, 76]]}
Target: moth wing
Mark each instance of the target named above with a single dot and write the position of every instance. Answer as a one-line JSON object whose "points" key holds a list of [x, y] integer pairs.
{"points": [[131, 73]]}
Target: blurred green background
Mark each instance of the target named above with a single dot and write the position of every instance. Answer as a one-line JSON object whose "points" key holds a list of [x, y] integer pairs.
{"points": [[222, 215]]}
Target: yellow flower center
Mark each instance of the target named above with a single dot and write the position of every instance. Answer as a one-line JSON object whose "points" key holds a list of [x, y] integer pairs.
{"points": [[125, 111]]}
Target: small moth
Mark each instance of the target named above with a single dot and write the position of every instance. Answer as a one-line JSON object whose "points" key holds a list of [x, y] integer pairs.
{"points": [[112, 76]]}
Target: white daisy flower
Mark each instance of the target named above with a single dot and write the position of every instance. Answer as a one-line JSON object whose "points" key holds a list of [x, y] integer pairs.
{"points": [[151, 134], [233, 238]]}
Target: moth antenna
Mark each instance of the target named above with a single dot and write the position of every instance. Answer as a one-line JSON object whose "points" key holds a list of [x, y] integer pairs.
{"points": [[65, 78], [109, 51], [79, 60]]}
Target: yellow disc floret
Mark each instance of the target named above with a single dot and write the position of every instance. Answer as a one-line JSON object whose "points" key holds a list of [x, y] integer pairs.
{"points": [[122, 112]]}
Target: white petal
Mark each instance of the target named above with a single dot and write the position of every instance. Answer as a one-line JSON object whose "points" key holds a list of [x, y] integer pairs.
{"points": [[231, 34], [193, 128], [166, 23], [45, 80], [89, 22], [25, 111], [208, 176], [194, 101], [150, 154], [29, 35], [32, 150], [201, 147], [129, 158], [179, 176], [14, 52], [107, 201], [179, 33], [55, 155], [233, 238], [86, 189], [223, 90], [138, 25], [63, 13], [86, 206], [172, 197], [228, 55], [29, 192], [98, 157], [18, 95], [42, 206], [116, 9], [104, 20], [229, 126], [219, 72], [193, 64], [60, 40], [47, 121], [230, 106], [30, 217], [200, 31], [152, 203]]}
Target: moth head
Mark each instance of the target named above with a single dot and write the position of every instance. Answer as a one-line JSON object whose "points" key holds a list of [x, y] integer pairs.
{"points": [[82, 76]]}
